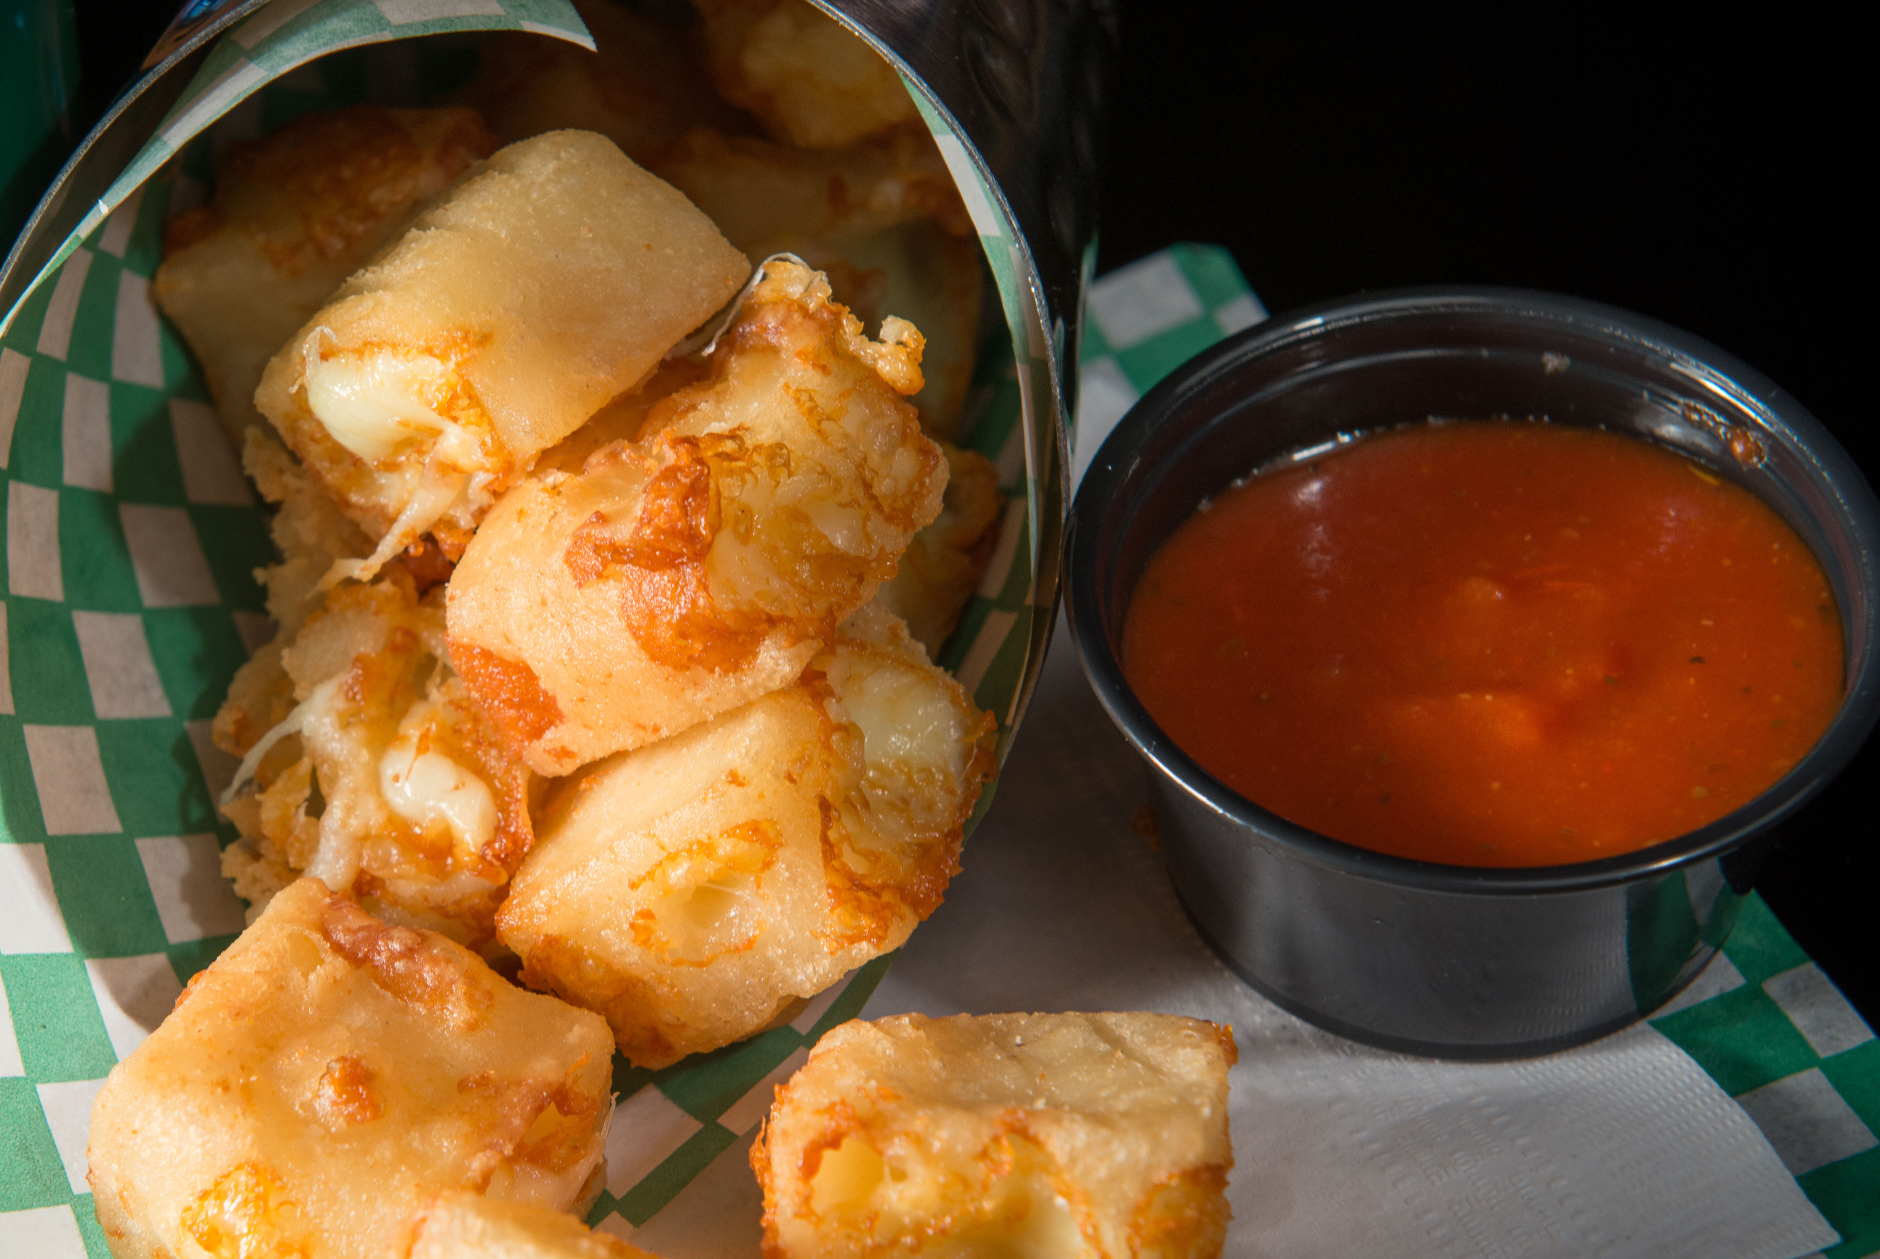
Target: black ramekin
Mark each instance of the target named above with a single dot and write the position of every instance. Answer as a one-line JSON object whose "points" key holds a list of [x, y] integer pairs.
{"points": [[1448, 960]]}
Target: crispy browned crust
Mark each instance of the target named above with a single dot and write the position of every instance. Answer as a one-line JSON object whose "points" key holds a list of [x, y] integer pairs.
{"points": [[813, 194], [342, 173], [248, 1201], [659, 567], [1119, 1120], [319, 789], [327, 1076], [867, 901], [625, 1001], [415, 966], [430, 562], [508, 691], [944, 563], [622, 420], [346, 1094], [640, 87], [675, 576], [1185, 1216], [347, 479]]}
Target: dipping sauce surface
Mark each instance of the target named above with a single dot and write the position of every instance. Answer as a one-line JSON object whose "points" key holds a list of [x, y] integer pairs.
{"points": [[1489, 644]]}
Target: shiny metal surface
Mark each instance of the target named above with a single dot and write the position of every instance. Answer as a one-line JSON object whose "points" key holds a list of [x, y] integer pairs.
{"points": [[1450, 960], [1022, 84], [101, 155]]}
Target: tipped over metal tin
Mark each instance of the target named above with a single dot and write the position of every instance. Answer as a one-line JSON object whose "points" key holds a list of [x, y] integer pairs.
{"points": [[1012, 91]]}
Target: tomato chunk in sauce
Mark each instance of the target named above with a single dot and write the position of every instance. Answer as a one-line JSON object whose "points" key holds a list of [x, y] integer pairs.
{"points": [[1489, 643]]}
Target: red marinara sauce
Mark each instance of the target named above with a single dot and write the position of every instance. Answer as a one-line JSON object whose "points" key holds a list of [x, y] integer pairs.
{"points": [[1489, 643]]}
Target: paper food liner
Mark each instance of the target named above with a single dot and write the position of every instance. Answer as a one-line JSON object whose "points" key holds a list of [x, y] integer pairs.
{"points": [[131, 542]]}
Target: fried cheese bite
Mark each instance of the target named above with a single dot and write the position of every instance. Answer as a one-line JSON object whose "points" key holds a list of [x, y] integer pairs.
{"points": [[767, 197], [311, 534], [809, 80], [624, 419], [382, 778], [881, 218], [1046, 1135], [296, 212], [945, 561], [470, 1226], [679, 576], [932, 280], [550, 279], [640, 87], [693, 891], [326, 1077]]}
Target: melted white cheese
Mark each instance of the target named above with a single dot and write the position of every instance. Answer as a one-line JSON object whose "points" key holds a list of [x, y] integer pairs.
{"points": [[317, 699], [439, 487], [904, 715], [424, 787], [373, 401], [845, 527]]}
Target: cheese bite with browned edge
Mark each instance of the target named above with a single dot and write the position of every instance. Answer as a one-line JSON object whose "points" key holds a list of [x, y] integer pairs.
{"points": [[640, 87], [296, 212], [470, 1226], [329, 1075], [918, 272], [310, 533], [383, 779], [1095, 1136], [695, 890], [553, 277], [882, 218], [766, 197], [674, 578], [809, 79], [944, 563]]}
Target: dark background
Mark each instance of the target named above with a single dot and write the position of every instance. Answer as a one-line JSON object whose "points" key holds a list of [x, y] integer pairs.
{"points": [[1701, 172]]}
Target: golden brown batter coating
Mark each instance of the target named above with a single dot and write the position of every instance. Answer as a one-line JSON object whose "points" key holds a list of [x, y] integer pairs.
{"points": [[624, 419], [327, 1076], [701, 567], [1100, 1136], [381, 777], [640, 87], [694, 889], [296, 212], [310, 533], [549, 280], [806, 77], [945, 561], [766, 197], [935, 281], [469, 1226], [881, 218]]}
